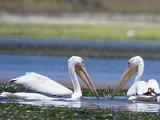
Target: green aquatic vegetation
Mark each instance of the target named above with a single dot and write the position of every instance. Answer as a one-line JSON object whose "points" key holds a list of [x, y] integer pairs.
{"points": [[11, 88], [17, 111], [85, 91], [102, 92]]}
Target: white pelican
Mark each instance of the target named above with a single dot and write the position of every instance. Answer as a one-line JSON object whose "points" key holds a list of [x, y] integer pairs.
{"points": [[47, 86], [140, 90]]}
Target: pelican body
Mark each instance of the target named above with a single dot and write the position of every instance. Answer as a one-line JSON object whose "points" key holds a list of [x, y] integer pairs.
{"points": [[47, 88], [140, 90]]}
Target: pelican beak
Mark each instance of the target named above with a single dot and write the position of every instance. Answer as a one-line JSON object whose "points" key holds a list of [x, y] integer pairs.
{"points": [[129, 71], [82, 72]]}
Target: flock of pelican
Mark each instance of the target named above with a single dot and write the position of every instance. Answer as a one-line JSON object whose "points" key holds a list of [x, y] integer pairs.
{"points": [[48, 89]]}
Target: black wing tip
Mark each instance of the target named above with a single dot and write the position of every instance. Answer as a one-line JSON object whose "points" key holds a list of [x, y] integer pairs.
{"points": [[12, 81]]}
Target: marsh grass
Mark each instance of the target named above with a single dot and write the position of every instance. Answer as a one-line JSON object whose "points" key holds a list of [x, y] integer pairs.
{"points": [[109, 31]]}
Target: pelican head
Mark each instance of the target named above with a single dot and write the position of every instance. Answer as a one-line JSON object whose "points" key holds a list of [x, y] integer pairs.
{"points": [[135, 64], [76, 65]]}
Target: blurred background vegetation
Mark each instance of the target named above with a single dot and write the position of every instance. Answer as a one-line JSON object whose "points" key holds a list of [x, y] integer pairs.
{"points": [[57, 6], [84, 19]]}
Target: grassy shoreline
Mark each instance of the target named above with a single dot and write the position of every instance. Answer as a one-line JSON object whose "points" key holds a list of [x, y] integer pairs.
{"points": [[108, 31]]}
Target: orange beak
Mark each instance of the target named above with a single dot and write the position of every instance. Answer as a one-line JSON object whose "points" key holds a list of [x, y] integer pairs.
{"points": [[129, 71]]}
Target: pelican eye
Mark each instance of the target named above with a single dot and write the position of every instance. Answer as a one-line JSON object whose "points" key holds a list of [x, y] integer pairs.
{"points": [[129, 64]]}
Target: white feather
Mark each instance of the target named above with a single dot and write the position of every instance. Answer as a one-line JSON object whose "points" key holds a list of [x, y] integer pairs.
{"points": [[152, 83], [41, 84], [138, 88], [26, 96], [141, 87]]}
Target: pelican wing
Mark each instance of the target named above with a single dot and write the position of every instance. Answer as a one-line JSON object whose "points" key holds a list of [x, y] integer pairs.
{"points": [[138, 88], [152, 83], [41, 84]]}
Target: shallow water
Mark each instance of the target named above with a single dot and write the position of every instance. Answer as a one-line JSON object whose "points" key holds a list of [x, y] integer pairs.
{"points": [[102, 71], [118, 103]]}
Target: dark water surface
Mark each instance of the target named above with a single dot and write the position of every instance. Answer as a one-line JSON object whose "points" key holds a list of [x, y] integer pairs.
{"points": [[80, 43], [82, 47]]}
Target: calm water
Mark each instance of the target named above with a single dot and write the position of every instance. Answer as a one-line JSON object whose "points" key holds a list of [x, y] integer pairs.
{"points": [[119, 103], [102, 71]]}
